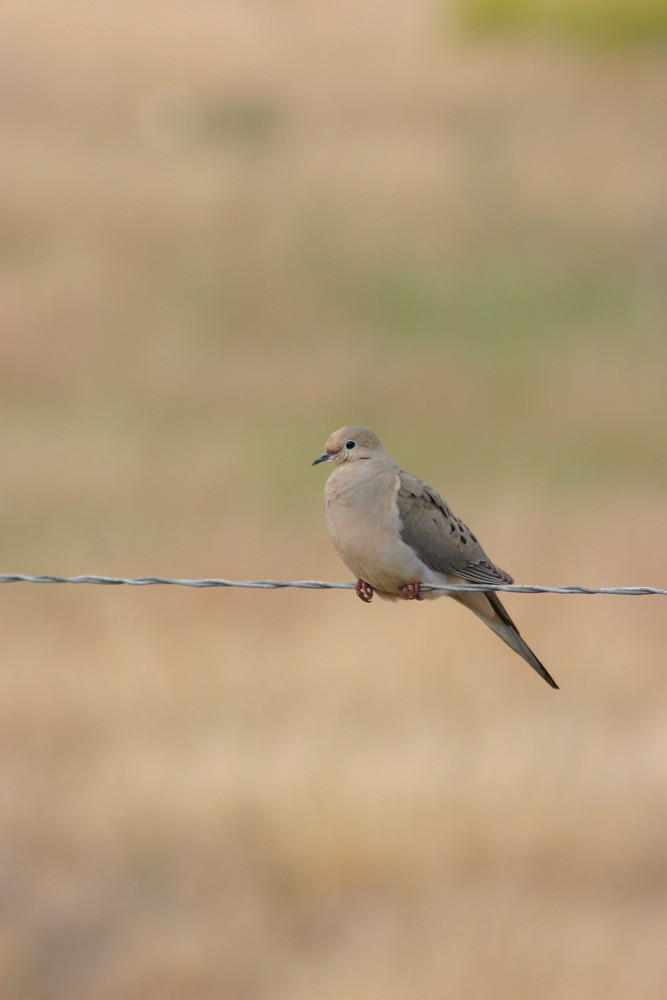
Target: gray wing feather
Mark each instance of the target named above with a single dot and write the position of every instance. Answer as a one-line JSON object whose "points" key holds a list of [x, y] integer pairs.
{"points": [[441, 540]]}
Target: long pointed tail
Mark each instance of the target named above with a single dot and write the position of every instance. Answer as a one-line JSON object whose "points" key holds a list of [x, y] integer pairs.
{"points": [[491, 611]]}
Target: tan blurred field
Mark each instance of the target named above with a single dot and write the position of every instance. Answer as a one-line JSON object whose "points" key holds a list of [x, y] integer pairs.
{"points": [[229, 228]]}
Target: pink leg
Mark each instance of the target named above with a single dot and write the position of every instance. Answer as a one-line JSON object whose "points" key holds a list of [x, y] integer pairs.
{"points": [[364, 591], [411, 592]]}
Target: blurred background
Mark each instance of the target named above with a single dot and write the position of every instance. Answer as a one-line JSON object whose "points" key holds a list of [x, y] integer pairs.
{"points": [[228, 229]]}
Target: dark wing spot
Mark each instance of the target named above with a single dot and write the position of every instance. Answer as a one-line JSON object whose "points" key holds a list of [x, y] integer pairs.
{"points": [[464, 539]]}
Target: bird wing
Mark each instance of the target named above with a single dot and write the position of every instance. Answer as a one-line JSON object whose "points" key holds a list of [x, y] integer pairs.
{"points": [[441, 540]]}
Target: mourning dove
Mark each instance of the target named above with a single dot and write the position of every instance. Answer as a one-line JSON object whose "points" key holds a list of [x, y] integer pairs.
{"points": [[395, 533]]}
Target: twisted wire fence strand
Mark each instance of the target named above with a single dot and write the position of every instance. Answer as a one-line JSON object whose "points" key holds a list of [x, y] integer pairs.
{"points": [[148, 581]]}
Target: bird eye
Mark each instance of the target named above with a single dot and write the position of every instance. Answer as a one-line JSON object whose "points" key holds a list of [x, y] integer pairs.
{"points": [[350, 445]]}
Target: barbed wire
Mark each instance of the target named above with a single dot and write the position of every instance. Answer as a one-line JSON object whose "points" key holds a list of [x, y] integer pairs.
{"points": [[149, 581]]}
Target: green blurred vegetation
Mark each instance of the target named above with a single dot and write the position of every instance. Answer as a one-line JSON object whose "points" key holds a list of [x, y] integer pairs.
{"points": [[602, 22]]}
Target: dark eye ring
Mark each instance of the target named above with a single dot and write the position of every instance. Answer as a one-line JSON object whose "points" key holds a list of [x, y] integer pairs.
{"points": [[350, 444]]}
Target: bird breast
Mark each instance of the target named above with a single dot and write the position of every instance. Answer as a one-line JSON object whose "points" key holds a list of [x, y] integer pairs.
{"points": [[362, 519]]}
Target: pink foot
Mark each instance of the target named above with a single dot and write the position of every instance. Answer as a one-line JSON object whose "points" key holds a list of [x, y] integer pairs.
{"points": [[411, 592], [364, 591]]}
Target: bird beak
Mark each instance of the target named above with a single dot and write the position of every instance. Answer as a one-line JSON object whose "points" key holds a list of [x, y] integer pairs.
{"points": [[323, 458]]}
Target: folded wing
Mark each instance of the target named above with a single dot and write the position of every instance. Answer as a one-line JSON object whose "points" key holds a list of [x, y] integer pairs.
{"points": [[441, 540]]}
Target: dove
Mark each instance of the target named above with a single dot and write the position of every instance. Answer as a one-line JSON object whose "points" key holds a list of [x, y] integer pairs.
{"points": [[395, 533]]}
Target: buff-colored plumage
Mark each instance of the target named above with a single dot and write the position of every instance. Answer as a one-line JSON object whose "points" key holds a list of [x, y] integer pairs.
{"points": [[394, 532]]}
